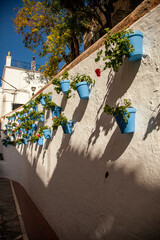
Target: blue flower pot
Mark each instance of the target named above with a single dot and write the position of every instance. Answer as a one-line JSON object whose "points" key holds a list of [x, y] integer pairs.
{"points": [[17, 144], [42, 118], [6, 144], [42, 101], [6, 127], [47, 133], [34, 127], [9, 130], [40, 141], [19, 121], [56, 111], [18, 115], [5, 133], [25, 141], [67, 128], [136, 39], [30, 132], [83, 90], [65, 85], [31, 103], [24, 131], [129, 126], [35, 108]]}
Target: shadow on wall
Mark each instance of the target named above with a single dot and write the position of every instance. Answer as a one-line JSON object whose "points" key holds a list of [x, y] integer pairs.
{"points": [[91, 198], [117, 85], [153, 123]]}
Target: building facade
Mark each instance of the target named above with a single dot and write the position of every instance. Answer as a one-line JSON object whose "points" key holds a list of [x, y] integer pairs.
{"points": [[20, 81]]}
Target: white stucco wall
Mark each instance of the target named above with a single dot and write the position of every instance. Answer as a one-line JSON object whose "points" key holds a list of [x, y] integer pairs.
{"points": [[66, 177]]}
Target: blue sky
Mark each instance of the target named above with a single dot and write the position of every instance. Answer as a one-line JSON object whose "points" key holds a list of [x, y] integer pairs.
{"points": [[10, 40]]}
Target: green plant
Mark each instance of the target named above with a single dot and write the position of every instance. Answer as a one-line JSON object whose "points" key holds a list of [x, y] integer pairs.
{"points": [[114, 111], [40, 130], [24, 135], [58, 121], [46, 95], [117, 45], [49, 105], [14, 124], [34, 138], [28, 125], [56, 81], [80, 78], [20, 140], [33, 115]]}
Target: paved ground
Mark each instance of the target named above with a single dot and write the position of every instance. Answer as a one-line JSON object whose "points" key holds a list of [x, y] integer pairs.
{"points": [[9, 222], [11, 226]]}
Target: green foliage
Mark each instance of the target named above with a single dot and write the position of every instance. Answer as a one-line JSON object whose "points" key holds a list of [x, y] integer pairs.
{"points": [[80, 78], [117, 45], [57, 121], [34, 139], [114, 111], [40, 130], [46, 95], [49, 105], [20, 141], [50, 29]]}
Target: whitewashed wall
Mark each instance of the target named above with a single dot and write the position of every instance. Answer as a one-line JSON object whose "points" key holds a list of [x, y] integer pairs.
{"points": [[66, 177]]}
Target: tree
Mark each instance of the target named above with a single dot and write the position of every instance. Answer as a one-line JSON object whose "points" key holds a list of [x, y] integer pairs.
{"points": [[49, 29]]}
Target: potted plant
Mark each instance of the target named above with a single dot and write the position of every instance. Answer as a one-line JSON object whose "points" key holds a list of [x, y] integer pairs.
{"points": [[56, 110], [19, 141], [37, 138], [63, 121], [43, 98], [40, 116], [62, 84], [81, 83], [118, 45], [25, 138], [124, 115], [46, 131]]}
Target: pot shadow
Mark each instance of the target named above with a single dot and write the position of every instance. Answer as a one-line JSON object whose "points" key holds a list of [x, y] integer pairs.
{"points": [[153, 123], [80, 110], [116, 86], [63, 102]]}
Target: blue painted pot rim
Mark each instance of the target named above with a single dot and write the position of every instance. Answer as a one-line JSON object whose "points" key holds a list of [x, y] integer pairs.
{"points": [[135, 33], [131, 110], [64, 81], [45, 130], [81, 83]]}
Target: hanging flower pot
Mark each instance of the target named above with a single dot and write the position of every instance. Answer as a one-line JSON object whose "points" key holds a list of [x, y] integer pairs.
{"points": [[42, 100], [18, 115], [67, 128], [65, 85], [19, 121], [34, 127], [25, 141], [47, 133], [127, 126], [40, 141], [42, 118], [56, 111], [35, 108], [136, 39], [83, 90], [30, 132]]}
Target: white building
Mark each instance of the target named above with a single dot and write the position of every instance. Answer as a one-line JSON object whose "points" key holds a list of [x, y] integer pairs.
{"points": [[18, 84]]}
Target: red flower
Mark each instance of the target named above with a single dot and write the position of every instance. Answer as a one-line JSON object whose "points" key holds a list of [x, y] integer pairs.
{"points": [[98, 72], [38, 135], [39, 91]]}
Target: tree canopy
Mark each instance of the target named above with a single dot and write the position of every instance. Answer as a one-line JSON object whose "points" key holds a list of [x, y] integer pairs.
{"points": [[55, 28]]}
